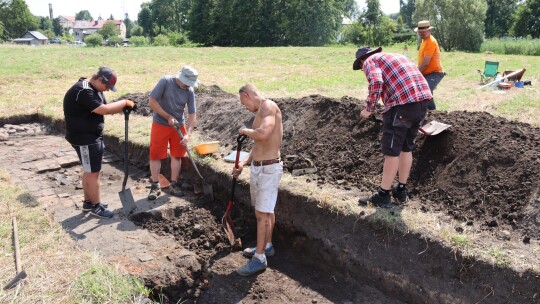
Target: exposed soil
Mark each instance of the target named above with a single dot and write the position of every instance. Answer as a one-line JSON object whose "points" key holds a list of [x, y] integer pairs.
{"points": [[483, 171]]}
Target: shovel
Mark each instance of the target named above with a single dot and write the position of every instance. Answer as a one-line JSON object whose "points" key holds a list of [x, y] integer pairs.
{"points": [[226, 221], [207, 188], [126, 198], [433, 128], [21, 274]]}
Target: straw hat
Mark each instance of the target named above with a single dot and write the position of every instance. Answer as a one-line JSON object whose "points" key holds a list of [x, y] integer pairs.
{"points": [[423, 25]]}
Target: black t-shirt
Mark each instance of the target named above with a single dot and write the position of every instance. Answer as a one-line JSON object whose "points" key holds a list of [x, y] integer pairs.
{"points": [[83, 127]]}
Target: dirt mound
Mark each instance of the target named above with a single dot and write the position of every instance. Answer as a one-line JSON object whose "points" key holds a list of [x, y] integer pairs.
{"points": [[484, 171]]}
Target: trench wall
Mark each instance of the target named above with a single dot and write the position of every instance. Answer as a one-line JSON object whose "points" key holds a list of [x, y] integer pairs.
{"points": [[409, 267]]}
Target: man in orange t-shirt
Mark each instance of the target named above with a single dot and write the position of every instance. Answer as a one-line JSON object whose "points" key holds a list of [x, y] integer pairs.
{"points": [[429, 58]]}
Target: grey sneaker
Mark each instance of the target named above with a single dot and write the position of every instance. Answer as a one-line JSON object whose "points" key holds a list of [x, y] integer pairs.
{"points": [[377, 200], [155, 191], [249, 252], [87, 206], [253, 266], [176, 189], [100, 211], [400, 196]]}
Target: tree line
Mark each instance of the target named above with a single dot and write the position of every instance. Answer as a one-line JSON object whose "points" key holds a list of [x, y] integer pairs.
{"points": [[459, 24]]}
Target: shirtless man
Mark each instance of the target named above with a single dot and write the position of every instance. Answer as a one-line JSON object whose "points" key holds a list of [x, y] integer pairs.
{"points": [[266, 171]]}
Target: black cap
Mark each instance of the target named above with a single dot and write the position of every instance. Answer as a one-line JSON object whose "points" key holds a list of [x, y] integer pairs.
{"points": [[109, 77], [363, 53]]}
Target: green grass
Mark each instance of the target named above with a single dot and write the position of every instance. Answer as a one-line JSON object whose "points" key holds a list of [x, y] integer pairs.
{"points": [[58, 271], [501, 258], [101, 283], [35, 79], [512, 46]]}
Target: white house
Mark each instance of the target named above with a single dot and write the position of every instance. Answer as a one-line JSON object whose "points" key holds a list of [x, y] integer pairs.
{"points": [[66, 21], [82, 28]]}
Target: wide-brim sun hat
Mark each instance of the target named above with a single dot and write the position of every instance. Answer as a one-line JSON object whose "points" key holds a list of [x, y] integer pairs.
{"points": [[423, 25], [363, 53], [188, 76]]}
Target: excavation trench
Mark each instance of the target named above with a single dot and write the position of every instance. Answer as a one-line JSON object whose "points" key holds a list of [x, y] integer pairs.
{"points": [[476, 179], [334, 254]]}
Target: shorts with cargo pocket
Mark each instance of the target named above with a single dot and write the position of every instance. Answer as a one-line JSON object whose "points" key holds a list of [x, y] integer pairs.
{"points": [[400, 127]]}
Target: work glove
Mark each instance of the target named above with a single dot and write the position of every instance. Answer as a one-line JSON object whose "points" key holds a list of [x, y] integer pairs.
{"points": [[130, 106]]}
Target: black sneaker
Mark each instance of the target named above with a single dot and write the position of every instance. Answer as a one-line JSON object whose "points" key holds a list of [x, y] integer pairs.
{"points": [[155, 191], [377, 200], [400, 196], [101, 211], [176, 189], [87, 206]]}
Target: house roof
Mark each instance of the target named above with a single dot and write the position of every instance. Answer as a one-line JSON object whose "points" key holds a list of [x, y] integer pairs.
{"points": [[69, 18], [95, 24], [37, 35]]}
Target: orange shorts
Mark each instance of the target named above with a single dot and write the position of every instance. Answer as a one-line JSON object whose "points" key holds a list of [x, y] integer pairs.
{"points": [[163, 136]]}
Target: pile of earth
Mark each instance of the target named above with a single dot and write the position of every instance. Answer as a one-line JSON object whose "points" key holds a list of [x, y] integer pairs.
{"points": [[484, 171]]}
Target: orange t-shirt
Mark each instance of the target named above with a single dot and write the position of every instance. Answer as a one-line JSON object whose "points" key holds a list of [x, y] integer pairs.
{"points": [[430, 47]]}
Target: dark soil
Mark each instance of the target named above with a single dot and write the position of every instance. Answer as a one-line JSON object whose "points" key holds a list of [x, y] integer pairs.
{"points": [[483, 171]]}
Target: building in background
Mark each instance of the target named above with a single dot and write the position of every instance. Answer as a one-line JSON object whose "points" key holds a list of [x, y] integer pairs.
{"points": [[67, 22], [32, 38], [82, 28]]}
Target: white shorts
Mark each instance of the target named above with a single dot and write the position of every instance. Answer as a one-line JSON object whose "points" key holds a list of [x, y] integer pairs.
{"points": [[264, 185]]}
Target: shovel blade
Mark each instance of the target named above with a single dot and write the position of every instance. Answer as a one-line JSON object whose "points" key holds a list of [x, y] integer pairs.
{"points": [[208, 192], [128, 203], [433, 128], [20, 276], [227, 224]]}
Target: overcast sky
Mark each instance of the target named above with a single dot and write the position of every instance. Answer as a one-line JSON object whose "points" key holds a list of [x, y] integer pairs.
{"points": [[117, 7]]}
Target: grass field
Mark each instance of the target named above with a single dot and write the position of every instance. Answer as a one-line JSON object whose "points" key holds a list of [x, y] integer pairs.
{"points": [[36, 78]]}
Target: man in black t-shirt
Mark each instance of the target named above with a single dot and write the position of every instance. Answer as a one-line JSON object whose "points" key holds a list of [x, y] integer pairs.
{"points": [[84, 107]]}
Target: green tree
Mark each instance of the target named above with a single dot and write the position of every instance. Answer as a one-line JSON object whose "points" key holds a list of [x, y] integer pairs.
{"points": [[499, 17], [406, 11], [373, 13], [83, 15], [200, 20], [94, 40], [136, 31], [161, 40], [57, 27], [109, 29], [115, 40], [1, 31], [45, 23], [111, 17], [129, 25], [459, 24], [311, 22], [16, 18], [138, 41], [145, 18], [527, 19]]}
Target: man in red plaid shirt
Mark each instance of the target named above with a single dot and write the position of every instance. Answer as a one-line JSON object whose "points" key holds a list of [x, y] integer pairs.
{"points": [[405, 94]]}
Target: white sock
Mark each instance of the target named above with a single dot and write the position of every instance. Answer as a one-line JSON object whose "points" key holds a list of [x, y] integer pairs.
{"points": [[260, 256], [268, 245]]}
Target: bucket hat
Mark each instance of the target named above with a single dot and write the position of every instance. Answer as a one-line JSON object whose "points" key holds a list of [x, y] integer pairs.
{"points": [[188, 76]]}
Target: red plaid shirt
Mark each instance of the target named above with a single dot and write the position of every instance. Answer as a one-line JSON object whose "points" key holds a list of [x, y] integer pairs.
{"points": [[395, 79]]}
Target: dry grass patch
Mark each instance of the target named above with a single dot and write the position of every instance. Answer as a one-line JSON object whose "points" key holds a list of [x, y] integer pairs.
{"points": [[58, 272]]}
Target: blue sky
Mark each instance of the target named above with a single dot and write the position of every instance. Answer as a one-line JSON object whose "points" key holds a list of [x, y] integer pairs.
{"points": [[117, 7]]}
